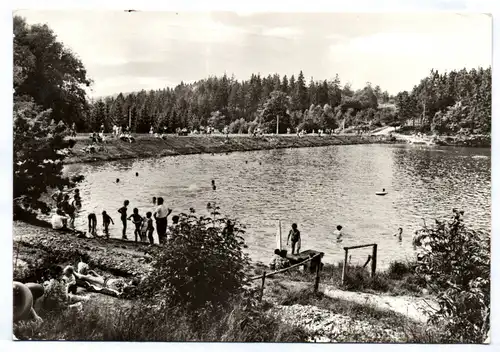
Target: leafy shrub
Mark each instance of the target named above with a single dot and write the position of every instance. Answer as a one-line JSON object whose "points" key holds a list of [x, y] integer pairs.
{"points": [[455, 262], [398, 269], [203, 264]]}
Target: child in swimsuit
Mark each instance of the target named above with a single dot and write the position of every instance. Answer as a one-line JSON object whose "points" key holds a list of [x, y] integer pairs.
{"points": [[123, 211], [137, 220]]}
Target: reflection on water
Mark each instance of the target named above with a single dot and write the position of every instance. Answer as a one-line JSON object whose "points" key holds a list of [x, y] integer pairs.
{"points": [[318, 188]]}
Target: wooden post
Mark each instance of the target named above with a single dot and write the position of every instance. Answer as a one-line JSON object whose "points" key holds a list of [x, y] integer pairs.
{"points": [[374, 260], [344, 269], [278, 236], [262, 288], [316, 282], [277, 124]]}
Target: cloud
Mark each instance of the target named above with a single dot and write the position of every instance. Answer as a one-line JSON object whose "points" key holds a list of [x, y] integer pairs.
{"points": [[282, 32], [149, 50]]}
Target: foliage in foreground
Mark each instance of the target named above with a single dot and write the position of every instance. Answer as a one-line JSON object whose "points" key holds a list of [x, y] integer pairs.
{"points": [[48, 91], [141, 322], [202, 265], [455, 261]]}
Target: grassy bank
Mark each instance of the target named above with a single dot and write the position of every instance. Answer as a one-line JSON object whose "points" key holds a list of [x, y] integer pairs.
{"points": [[147, 146], [106, 318]]}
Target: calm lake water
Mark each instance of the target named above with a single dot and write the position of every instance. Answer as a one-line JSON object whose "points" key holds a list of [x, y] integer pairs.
{"points": [[318, 188]]}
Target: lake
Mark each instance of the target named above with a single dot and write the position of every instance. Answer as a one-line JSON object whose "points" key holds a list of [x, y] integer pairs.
{"points": [[317, 188]]}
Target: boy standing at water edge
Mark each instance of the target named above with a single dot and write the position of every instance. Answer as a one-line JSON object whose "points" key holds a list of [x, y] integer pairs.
{"points": [[123, 211], [106, 219], [137, 221], [294, 234], [149, 227], [161, 214]]}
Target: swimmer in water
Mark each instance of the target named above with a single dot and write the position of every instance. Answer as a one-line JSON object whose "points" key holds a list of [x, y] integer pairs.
{"points": [[213, 185], [399, 234], [117, 180], [154, 200], [338, 233], [136, 174]]}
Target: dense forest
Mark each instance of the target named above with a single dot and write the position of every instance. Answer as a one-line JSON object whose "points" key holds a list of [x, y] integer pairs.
{"points": [[224, 101], [444, 103], [440, 103]]}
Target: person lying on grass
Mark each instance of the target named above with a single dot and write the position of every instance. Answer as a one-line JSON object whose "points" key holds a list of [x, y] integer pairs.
{"points": [[94, 282]]}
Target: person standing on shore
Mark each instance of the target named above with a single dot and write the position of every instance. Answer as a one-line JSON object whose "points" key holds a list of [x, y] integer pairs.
{"points": [[137, 221], [123, 212], [294, 235], [106, 220], [161, 214]]}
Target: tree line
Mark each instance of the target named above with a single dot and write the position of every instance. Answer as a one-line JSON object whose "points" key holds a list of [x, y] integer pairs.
{"points": [[54, 78], [449, 102], [241, 105]]}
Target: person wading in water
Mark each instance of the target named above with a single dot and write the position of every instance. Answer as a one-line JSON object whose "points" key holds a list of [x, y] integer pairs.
{"points": [[294, 234]]}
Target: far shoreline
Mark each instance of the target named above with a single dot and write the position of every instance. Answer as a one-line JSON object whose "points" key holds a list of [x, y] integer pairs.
{"points": [[147, 146]]}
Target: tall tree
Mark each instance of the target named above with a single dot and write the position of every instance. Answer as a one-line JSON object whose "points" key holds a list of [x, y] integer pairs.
{"points": [[49, 73], [40, 135]]}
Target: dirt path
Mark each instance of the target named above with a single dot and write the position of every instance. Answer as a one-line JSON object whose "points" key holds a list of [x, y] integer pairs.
{"points": [[415, 308]]}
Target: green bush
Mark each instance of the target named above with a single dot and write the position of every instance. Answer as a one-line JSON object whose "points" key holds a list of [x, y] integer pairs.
{"points": [[203, 265], [397, 270], [455, 262]]}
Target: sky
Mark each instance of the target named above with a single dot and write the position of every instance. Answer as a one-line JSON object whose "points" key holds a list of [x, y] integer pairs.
{"points": [[130, 51]]}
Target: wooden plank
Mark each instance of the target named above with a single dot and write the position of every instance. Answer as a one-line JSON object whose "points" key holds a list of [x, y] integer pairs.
{"points": [[262, 287], [360, 246], [374, 260], [316, 282]]}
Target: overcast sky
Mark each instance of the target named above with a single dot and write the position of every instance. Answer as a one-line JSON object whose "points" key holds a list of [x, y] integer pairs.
{"points": [[125, 52]]}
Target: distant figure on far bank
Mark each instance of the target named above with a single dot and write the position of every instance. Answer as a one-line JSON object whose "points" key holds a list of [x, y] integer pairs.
{"points": [[399, 234], [294, 235], [338, 233]]}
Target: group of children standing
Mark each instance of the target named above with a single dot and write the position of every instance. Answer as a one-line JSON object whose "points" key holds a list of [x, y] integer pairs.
{"points": [[144, 227], [67, 207]]}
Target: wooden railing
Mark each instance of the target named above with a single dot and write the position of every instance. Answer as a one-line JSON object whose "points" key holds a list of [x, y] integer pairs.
{"points": [[263, 276], [373, 258]]}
